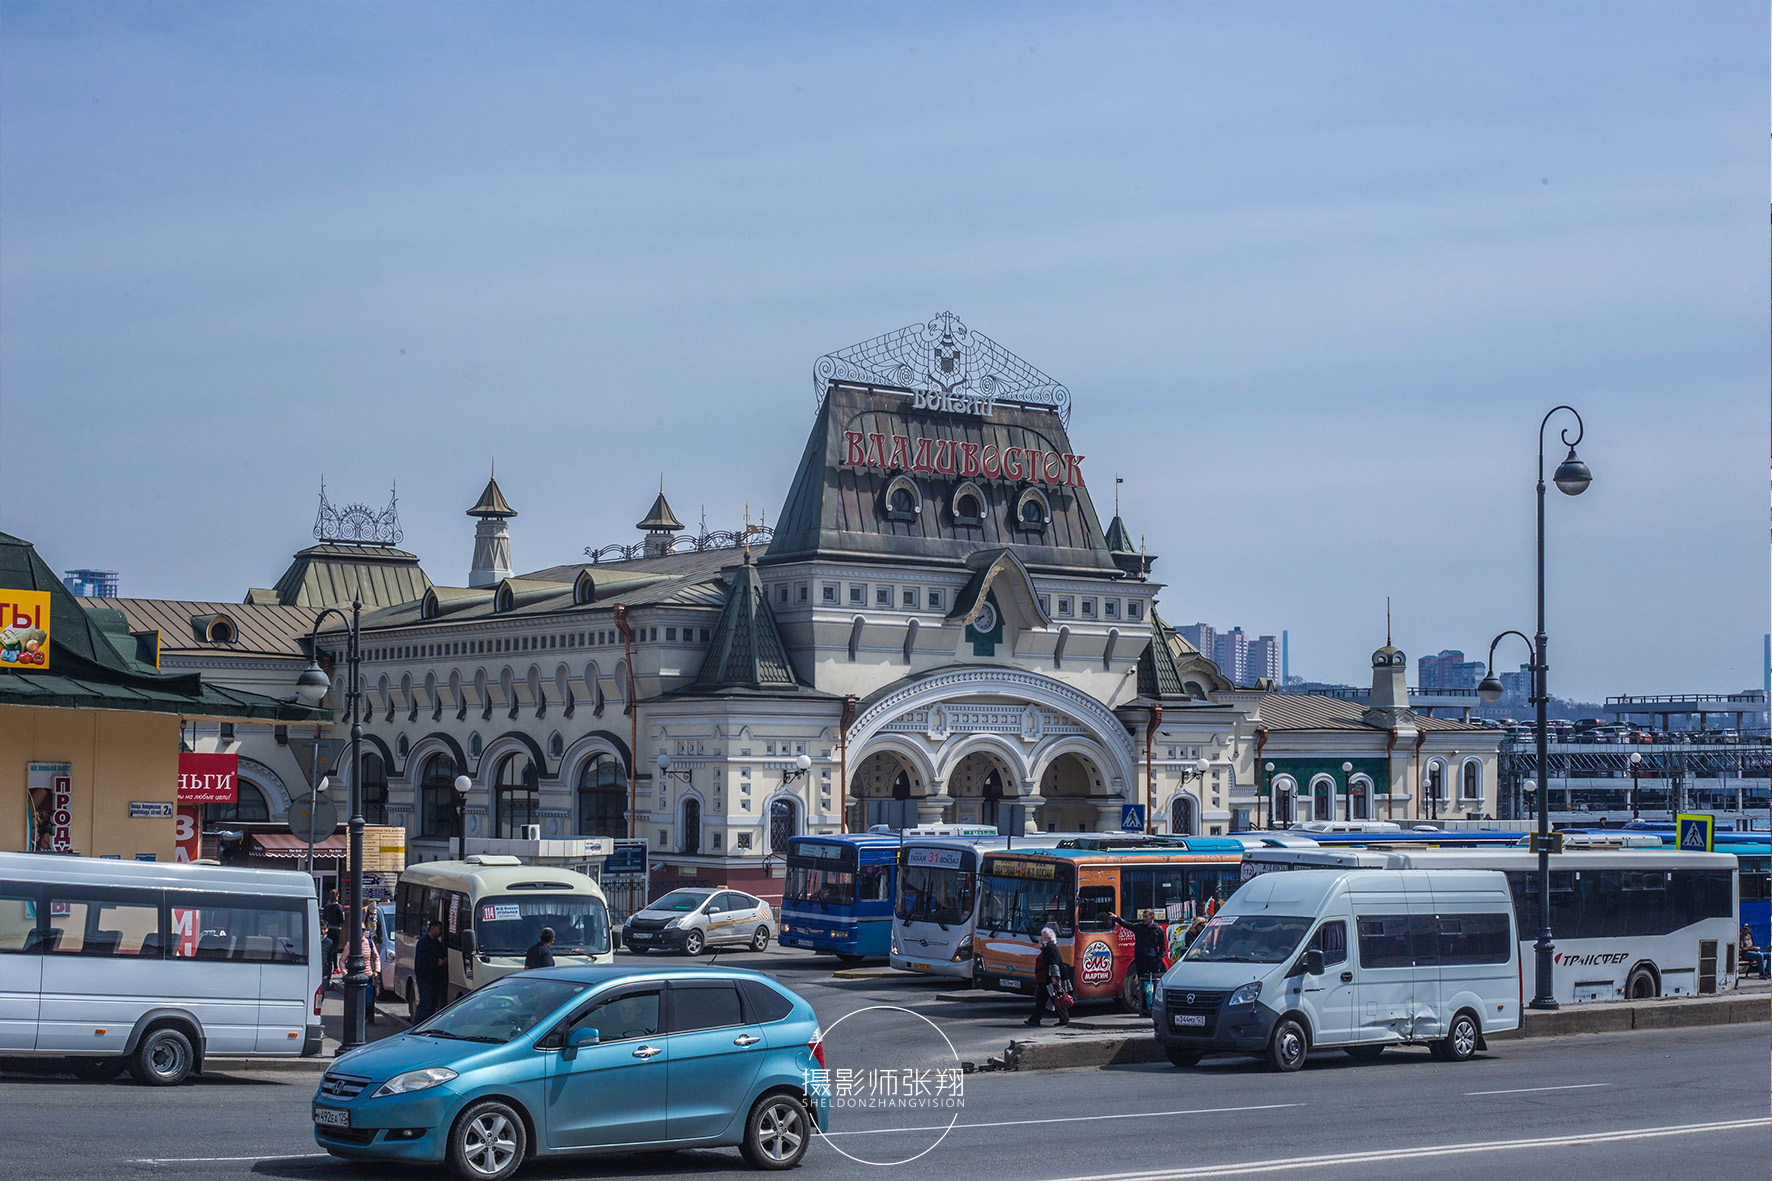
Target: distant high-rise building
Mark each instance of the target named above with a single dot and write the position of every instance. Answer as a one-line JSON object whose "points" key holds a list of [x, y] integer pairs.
{"points": [[1232, 656], [1448, 670], [91, 584], [1202, 636], [1517, 686], [1264, 659]]}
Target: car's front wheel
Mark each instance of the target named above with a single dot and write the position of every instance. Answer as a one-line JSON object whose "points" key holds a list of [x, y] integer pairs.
{"points": [[692, 943], [488, 1142], [777, 1133]]}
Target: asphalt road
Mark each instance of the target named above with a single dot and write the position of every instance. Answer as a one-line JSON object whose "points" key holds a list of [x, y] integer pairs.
{"points": [[1604, 1106]]}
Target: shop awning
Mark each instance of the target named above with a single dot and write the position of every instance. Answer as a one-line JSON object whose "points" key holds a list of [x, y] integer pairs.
{"points": [[283, 844]]}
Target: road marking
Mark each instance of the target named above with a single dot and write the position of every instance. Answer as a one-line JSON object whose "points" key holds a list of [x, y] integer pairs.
{"points": [[1417, 1152], [217, 1160], [1063, 1119], [1531, 1090]]}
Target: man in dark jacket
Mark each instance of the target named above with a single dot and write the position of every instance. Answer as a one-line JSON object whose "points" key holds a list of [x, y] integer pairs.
{"points": [[332, 925], [1049, 979], [1148, 946], [430, 970], [542, 954]]}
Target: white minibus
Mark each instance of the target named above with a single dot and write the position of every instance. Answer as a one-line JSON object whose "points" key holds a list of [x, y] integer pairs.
{"points": [[154, 966], [1356, 960], [493, 908], [936, 899], [1626, 924]]}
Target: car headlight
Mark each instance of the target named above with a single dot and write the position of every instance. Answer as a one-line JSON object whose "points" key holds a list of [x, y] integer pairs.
{"points": [[1247, 994], [415, 1080], [673, 923]]}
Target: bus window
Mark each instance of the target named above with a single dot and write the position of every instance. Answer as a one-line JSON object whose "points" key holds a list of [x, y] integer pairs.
{"points": [[1148, 892], [1094, 905], [238, 930], [827, 887], [1025, 905], [18, 917], [109, 925], [873, 881]]}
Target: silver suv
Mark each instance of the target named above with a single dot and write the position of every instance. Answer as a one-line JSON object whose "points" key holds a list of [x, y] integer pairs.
{"points": [[690, 920]]}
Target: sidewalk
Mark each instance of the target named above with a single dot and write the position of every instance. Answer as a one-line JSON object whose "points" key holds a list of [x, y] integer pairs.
{"points": [[332, 1020]]}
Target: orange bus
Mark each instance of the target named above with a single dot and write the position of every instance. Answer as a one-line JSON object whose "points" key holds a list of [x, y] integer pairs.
{"points": [[1073, 891]]}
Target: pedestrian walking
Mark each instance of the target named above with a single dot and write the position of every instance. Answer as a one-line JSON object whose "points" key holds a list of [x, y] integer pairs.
{"points": [[1148, 946], [371, 951], [332, 926], [1050, 986], [430, 970], [541, 955]]}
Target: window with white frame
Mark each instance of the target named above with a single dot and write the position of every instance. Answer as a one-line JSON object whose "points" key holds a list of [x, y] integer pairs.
{"points": [[1088, 608], [827, 593], [934, 598], [1064, 604]]}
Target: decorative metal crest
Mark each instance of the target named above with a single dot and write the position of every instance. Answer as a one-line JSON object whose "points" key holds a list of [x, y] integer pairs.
{"points": [[718, 539], [945, 366], [357, 524]]}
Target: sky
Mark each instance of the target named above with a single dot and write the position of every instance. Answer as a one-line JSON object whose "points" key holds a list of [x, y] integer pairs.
{"points": [[1312, 273]]}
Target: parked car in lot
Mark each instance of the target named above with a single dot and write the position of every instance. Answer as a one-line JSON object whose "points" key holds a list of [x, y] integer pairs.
{"points": [[575, 1061], [692, 920]]}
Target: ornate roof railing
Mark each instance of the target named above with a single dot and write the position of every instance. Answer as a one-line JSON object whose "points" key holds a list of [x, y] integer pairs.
{"points": [[706, 540], [945, 366], [356, 523]]}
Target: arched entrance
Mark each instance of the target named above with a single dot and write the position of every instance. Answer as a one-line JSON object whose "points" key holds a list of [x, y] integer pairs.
{"points": [[1182, 816], [984, 791], [885, 790], [1068, 785]]}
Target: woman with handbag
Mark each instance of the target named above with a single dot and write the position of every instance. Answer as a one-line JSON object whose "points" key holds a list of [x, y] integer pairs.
{"points": [[1050, 985]]}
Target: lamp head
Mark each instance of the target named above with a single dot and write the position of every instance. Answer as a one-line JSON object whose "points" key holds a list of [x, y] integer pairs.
{"points": [[664, 760], [312, 685], [1635, 759], [1572, 476], [1489, 688], [462, 784], [803, 762], [1202, 766], [1346, 767]]}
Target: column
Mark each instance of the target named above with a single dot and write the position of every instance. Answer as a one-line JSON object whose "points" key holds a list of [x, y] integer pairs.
{"points": [[1107, 815], [932, 808], [1030, 801]]}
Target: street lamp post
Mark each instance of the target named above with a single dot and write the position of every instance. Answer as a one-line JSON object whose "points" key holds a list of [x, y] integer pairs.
{"points": [[1636, 766], [311, 686], [1571, 478], [462, 785]]}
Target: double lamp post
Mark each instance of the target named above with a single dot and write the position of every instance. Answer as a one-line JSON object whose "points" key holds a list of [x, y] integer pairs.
{"points": [[1572, 479]]}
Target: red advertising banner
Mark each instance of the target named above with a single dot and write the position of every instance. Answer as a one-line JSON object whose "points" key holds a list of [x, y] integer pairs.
{"points": [[188, 833], [208, 778]]}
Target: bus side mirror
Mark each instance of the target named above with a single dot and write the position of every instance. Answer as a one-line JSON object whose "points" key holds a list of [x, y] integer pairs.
{"points": [[1313, 962], [465, 941], [615, 938]]}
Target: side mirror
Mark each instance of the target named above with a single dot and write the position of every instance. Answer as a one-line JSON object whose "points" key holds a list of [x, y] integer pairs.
{"points": [[465, 941], [615, 938], [1313, 962], [578, 1039]]}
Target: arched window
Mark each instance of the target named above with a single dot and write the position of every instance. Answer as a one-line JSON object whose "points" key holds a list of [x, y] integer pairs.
{"points": [[902, 501], [515, 799], [1322, 799], [436, 797], [784, 821], [375, 789], [602, 798], [1032, 511], [1181, 816], [1284, 788], [1473, 781], [689, 840], [249, 804], [968, 504], [1359, 794], [1436, 780]]}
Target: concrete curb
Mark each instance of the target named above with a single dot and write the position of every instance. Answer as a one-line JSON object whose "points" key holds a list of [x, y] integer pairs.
{"points": [[1066, 1052]]}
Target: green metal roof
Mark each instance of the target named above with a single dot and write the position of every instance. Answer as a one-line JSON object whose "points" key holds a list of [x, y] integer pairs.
{"points": [[92, 663], [1158, 674], [330, 575], [746, 650]]}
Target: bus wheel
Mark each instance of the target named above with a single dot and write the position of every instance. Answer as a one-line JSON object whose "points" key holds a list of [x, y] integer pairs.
{"points": [[1460, 1041], [1641, 985], [1131, 998], [1286, 1050], [163, 1058], [1183, 1058]]}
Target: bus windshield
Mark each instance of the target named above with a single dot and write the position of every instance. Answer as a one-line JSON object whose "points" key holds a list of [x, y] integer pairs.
{"points": [[1025, 905], [510, 924], [827, 887], [930, 894], [1248, 939]]}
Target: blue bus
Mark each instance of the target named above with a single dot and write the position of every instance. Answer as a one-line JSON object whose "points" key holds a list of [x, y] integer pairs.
{"points": [[838, 895]]}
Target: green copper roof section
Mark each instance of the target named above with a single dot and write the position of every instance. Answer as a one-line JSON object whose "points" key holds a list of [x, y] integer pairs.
{"points": [[332, 575], [1158, 674], [746, 650], [1117, 537], [492, 502], [659, 516]]}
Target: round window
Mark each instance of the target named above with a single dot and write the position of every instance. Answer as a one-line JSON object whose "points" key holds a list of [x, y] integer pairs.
{"points": [[902, 501], [969, 509], [1030, 511]]}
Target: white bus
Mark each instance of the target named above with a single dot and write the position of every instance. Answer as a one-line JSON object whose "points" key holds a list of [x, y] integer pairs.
{"points": [[154, 966], [936, 898], [493, 908], [1626, 923]]}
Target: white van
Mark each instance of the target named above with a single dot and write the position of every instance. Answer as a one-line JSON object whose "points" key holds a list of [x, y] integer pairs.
{"points": [[154, 966], [1354, 959], [493, 908]]}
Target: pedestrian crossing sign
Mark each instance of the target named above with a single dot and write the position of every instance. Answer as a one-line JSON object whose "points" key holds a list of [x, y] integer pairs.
{"points": [[1696, 833], [1131, 817]]}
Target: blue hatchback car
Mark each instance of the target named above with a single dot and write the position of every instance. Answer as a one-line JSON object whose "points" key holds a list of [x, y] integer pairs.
{"points": [[585, 1060]]}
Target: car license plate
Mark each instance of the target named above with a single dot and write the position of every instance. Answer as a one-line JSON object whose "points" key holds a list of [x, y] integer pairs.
{"points": [[1194, 1019], [638, 937], [1010, 983], [332, 1117], [916, 967]]}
